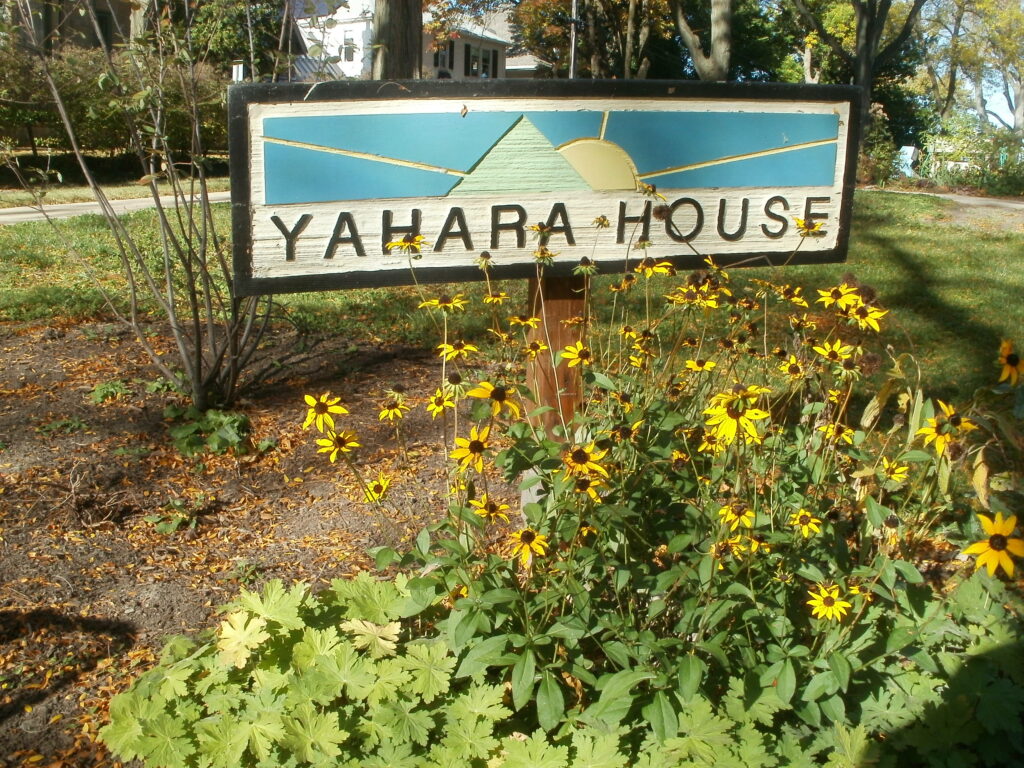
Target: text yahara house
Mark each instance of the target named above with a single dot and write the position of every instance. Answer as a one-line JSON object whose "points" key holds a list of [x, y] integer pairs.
{"points": [[324, 177]]}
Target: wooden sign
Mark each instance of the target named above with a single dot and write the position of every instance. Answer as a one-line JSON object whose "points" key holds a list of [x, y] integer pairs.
{"points": [[324, 177]]}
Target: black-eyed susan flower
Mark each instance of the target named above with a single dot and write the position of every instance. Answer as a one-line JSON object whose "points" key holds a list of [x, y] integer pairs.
{"points": [[867, 316], [793, 368], [322, 411], [585, 266], [1012, 365], [534, 348], [862, 591], [994, 552], [503, 337], [944, 428], [836, 431], [577, 354], [827, 604], [377, 489], [500, 397], [527, 543], [679, 459], [842, 296], [731, 547], [809, 228], [624, 399], [602, 222], [649, 267], [649, 190], [627, 282], [469, 451], [735, 514], [454, 386], [589, 485], [711, 443], [447, 303], [793, 294], [733, 413], [497, 297], [543, 256], [408, 244], [438, 402], [805, 522], [456, 350], [584, 460], [893, 470], [335, 443], [802, 323], [835, 352], [701, 296], [626, 433], [524, 321], [489, 510], [700, 365], [393, 410]]}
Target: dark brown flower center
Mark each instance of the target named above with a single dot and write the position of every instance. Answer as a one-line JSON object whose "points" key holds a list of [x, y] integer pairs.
{"points": [[579, 456], [476, 446], [527, 537], [956, 420], [1013, 359], [454, 379], [805, 519], [491, 508], [377, 488], [320, 408], [582, 483], [584, 354], [997, 541], [793, 369], [892, 521], [499, 394], [828, 602]]}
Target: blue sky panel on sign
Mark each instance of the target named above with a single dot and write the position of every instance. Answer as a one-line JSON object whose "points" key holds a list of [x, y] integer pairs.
{"points": [[811, 167], [663, 140], [560, 127], [294, 175], [444, 140]]}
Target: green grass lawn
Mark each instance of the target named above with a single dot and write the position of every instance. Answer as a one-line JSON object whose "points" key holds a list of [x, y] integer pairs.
{"points": [[953, 292], [56, 194]]}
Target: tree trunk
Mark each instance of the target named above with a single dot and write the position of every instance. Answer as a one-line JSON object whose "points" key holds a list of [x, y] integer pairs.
{"points": [[714, 64], [398, 39]]}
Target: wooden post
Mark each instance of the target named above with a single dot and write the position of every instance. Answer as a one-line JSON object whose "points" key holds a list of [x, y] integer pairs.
{"points": [[559, 386]]}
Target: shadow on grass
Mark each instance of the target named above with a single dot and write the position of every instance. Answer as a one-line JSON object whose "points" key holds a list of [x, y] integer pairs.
{"points": [[18, 626], [920, 292]]}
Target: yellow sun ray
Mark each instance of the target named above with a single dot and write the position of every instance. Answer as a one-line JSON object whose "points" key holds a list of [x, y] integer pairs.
{"points": [[736, 158], [366, 156]]}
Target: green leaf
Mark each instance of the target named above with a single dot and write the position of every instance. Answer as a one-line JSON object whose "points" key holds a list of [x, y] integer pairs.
{"points": [[312, 735], [876, 512], [661, 717], [833, 708], [550, 702], [124, 734], [909, 571], [276, 604], [405, 722], [223, 740], [822, 683], [522, 679], [596, 750], [785, 684], [534, 752], [854, 748], [841, 668], [482, 655], [705, 734], [484, 701], [379, 640], [164, 742], [239, 636], [431, 666], [690, 672], [618, 692]]}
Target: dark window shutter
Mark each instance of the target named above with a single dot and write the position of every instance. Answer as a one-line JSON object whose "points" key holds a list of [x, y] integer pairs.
{"points": [[468, 70]]}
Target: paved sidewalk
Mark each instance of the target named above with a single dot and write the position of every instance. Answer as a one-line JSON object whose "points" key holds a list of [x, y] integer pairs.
{"points": [[67, 210]]}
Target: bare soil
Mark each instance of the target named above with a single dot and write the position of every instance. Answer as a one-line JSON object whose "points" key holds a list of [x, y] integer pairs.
{"points": [[88, 586]]}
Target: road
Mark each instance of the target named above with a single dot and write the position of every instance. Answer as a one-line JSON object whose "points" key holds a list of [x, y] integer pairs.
{"points": [[67, 210]]}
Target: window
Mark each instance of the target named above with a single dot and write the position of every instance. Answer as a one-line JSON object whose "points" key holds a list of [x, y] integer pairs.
{"points": [[349, 48]]}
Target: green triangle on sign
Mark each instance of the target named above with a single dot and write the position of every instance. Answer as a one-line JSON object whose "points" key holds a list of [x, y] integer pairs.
{"points": [[523, 161]]}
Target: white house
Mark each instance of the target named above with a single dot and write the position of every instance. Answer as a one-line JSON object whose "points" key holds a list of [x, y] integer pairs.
{"points": [[344, 31]]}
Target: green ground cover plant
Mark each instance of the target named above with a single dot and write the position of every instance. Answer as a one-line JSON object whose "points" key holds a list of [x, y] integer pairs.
{"points": [[756, 542]]}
